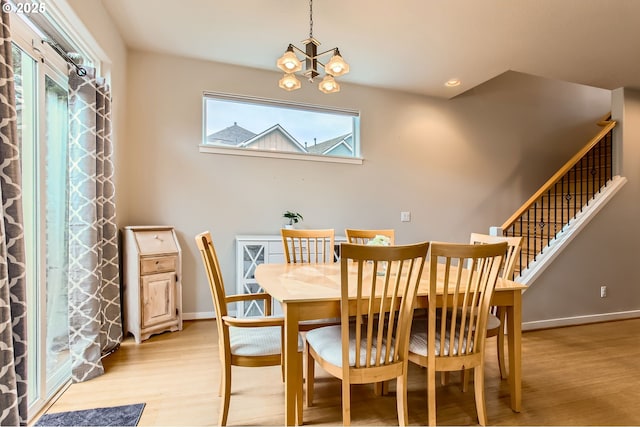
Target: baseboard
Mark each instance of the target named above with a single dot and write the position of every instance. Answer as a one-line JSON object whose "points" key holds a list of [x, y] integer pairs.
{"points": [[579, 320], [526, 326], [199, 315]]}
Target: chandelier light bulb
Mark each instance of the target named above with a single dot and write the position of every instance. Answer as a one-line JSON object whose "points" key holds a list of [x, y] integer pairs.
{"points": [[336, 65], [329, 85], [289, 62], [289, 82]]}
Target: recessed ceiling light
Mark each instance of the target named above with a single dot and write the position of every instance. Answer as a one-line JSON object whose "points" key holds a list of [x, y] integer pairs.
{"points": [[453, 83]]}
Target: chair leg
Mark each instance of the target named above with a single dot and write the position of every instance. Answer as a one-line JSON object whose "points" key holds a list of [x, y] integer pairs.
{"points": [[311, 368], [444, 377], [381, 388], [299, 407], [346, 403], [282, 367], [401, 400], [500, 342], [222, 376], [225, 391], [466, 373], [431, 394], [478, 381]]}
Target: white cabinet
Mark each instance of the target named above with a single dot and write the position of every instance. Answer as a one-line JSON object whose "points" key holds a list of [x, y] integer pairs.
{"points": [[252, 250], [152, 281]]}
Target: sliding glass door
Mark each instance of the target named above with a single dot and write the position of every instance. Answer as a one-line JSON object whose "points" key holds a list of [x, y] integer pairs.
{"points": [[42, 107]]}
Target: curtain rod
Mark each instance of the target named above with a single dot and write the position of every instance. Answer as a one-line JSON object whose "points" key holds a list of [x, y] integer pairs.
{"points": [[81, 71]]}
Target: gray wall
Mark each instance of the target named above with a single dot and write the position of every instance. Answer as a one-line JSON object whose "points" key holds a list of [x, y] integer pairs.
{"points": [[458, 165]]}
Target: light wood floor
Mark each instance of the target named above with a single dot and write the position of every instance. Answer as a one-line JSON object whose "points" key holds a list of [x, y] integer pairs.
{"points": [[584, 375]]}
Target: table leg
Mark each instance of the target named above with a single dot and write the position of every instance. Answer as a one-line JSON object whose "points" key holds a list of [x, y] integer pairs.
{"points": [[514, 338], [290, 362]]}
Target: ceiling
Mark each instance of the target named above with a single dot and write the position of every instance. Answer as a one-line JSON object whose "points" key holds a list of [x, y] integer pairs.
{"points": [[409, 45]]}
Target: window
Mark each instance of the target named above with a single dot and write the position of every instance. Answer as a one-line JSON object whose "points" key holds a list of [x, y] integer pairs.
{"points": [[260, 127]]}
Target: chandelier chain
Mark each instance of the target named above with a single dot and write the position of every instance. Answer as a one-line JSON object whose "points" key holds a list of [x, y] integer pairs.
{"points": [[310, 19]]}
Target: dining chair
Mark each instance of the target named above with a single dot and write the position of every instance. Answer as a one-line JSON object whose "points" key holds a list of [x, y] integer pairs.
{"points": [[310, 247], [453, 336], [362, 236], [371, 343], [497, 315], [251, 342]]}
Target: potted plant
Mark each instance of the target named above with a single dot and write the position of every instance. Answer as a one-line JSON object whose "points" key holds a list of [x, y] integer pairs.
{"points": [[292, 217]]}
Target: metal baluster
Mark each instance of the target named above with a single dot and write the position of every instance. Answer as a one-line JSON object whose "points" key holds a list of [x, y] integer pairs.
{"points": [[521, 254], [548, 216], [562, 201], [521, 234], [535, 230], [581, 181], [590, 168], [568, 198], [575, 192], [528, 236], [555, 210], [605, 160], [605, 149], [541, 224], [592, 159], [593, 172], [600, 163], [610, 153]]}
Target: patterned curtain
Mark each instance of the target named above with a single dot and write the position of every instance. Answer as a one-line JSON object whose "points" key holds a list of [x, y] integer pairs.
{"points": [[13, 321], [95, 324]]}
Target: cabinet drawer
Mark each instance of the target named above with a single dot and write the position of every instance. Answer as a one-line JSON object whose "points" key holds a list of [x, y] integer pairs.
{"points": [[276, 247], [155, 241], [158, 265]]}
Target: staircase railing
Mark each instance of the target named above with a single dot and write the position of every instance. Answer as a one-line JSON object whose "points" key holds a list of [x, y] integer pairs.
{"points": [[564, 195]]}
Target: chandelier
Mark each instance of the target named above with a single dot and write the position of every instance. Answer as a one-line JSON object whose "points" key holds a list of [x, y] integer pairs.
{"points": [[290, 64]]}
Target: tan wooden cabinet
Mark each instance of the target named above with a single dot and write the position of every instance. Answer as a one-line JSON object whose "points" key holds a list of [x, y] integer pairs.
{"points": [[152, 281]]}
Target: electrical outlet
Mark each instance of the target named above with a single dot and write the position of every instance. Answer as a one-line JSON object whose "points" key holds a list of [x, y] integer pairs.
{"points": [[603, 291], [405, 216]]}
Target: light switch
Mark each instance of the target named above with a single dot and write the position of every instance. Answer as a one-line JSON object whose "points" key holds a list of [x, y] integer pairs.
{"points": [[405, 216]]}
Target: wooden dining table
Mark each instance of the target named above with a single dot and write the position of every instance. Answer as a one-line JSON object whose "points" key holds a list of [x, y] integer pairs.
{"points": [[312, 291]]}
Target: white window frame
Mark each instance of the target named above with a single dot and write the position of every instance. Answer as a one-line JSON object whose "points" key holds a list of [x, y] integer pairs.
{"points": [[218, 149]]}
